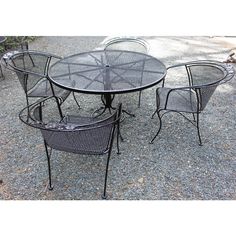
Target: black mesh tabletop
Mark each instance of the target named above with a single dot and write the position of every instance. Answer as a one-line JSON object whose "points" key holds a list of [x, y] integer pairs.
{"points": [[107, 71]]}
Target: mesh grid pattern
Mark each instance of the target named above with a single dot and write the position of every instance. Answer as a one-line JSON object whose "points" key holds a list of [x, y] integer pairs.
{"points": [[130, 45], [205, 75], [73, 133], [108, 71], [31, 70], [180, 100], [30, 62], [90, 140], [205, 95]]}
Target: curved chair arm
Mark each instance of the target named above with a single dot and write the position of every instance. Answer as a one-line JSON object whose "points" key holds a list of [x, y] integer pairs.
{"points": [[227, 69], [30, 118], [48, 54], [35, 122], [172, 67], [197, 62], [97, 122], [11, 65]]}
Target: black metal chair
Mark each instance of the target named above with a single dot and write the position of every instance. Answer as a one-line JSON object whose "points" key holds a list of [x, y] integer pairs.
{"points": [[31, 68], [202, 78], [128, 44], [80, 135]]}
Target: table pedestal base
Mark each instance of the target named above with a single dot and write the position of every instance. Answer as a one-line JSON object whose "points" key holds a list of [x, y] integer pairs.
{"points": [[107, 100]]}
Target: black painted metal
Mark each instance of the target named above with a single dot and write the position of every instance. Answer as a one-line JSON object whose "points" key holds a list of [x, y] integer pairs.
{"points": [[8, 52], [107, 72], [80, 135], [131, 44], [49, 165], [31, 68], [122, 66], [203, 78]]}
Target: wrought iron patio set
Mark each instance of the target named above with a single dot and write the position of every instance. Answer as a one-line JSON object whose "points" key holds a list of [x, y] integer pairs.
{"points": [[123, 65]]}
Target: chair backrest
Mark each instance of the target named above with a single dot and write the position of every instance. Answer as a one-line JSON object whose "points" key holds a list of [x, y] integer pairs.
{"points": [[204, 77], [74, 134], [88, 139], [30, 67], [129, 44]]}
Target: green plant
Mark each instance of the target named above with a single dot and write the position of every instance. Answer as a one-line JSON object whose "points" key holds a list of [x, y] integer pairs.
{"points": [[14, 41]]}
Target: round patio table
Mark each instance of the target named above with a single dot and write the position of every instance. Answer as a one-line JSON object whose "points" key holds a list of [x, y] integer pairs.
{"points": [[107, 72]]}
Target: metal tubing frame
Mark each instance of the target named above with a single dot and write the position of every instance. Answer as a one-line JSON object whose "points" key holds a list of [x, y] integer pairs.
{"points": [[116, 128], [45, 75], [140, 92], [199, 106], [2, 75], [129, 39], [107, 100], [73, 93], [50, 187], [158, 114], [104, 196]]}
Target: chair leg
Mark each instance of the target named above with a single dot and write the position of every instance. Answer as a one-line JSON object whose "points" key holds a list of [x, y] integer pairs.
{"points": [[157, 105], [139, 98], [117, 143], [154, 113], [119, 136], [198, 131], [49, 166], [59, 102], [158, 114], [40, 111], [76, 100], [104, 196], [27, 103], [2, 75]]}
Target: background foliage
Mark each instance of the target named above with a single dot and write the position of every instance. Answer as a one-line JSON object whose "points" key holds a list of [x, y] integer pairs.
{"points": [[13, 42]]}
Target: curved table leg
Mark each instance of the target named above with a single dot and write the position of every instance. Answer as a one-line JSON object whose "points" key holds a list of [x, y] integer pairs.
{"points": [[107, 100]]}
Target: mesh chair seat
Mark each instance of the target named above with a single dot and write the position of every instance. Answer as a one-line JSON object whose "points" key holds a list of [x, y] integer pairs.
{"points": [[43, 89], [181, 100]]}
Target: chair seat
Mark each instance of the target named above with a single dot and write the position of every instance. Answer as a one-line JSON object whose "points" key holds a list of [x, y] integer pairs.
{"points": [[178, 100], [73, 121], [43, 89]]}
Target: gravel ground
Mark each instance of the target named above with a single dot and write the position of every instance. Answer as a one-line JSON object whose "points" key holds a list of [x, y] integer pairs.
{"points": [[174, 167]]}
